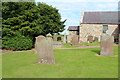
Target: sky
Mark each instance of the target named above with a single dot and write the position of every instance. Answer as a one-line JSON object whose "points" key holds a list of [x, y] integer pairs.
{"points": [[72, 9]]}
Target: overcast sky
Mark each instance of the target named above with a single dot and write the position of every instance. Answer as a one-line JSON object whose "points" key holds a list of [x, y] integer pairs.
{"points": [[72, 9]]}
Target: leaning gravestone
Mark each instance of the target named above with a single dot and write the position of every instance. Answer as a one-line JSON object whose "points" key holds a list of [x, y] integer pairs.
{"points": [[75, 40], [44, 49], [106, 45]]}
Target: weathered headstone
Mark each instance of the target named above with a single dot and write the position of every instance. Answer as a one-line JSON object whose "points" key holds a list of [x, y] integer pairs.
{"points": [[106, 45], [44, 49], [41, 49], [90, 39], [51, 59], [75, 40]]}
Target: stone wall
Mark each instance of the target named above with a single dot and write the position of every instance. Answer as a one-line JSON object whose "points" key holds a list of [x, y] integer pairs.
{"points": [[95, 30]]}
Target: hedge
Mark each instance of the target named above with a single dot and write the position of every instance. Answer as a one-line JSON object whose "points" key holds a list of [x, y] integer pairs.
{"points": [[18, 42]]}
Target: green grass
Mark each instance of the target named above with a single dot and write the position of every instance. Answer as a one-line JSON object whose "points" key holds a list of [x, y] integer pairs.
{"points": [[70, 63], [68, 45], [0, 66], [91, 44]]}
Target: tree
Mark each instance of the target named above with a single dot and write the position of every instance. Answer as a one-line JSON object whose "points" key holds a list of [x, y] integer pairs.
{"points": [[29, 19]]}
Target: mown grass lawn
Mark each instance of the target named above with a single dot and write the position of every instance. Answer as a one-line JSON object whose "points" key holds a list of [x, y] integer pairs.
{"points": [[68, 45], [70, 63]]}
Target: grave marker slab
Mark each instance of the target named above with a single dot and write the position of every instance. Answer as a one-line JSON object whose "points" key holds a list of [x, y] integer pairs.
{"points": [[44, 49], [106, 45], [51, 59], [75, 40]]}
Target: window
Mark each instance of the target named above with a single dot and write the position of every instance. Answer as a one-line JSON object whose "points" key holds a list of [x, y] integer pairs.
{"points": [[105, 28]]}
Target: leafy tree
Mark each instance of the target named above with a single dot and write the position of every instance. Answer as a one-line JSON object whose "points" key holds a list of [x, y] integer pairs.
{"points": [[30, 19]]}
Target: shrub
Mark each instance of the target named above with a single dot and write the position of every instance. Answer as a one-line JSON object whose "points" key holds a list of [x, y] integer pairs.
{"points": [[116, 42], [18, 42]]}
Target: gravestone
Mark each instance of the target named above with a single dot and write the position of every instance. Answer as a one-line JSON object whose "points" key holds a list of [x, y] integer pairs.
{"points": [[41, 46], [44, 49], [75, 40], [90, 39], [106, 45], [68, 39], [51, 59]]}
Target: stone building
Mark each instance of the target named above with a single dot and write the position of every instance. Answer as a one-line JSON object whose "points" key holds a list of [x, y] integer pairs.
{"points": [[73, 30], [97, 23]]}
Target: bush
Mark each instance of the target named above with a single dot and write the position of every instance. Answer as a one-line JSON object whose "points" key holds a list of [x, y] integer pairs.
{"points": [[116, 42], [18, 42]]}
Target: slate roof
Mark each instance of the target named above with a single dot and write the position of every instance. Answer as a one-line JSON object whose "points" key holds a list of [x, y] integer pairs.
{"points": [[110, 17], [73, 28]]}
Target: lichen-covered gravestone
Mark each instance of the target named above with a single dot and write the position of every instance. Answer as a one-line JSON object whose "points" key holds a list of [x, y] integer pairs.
{"points": [[106, 45], [44, 49], [75, 40]]}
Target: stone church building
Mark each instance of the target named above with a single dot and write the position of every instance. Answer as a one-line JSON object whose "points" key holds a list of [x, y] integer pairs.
{"points": [[95, 24]]}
